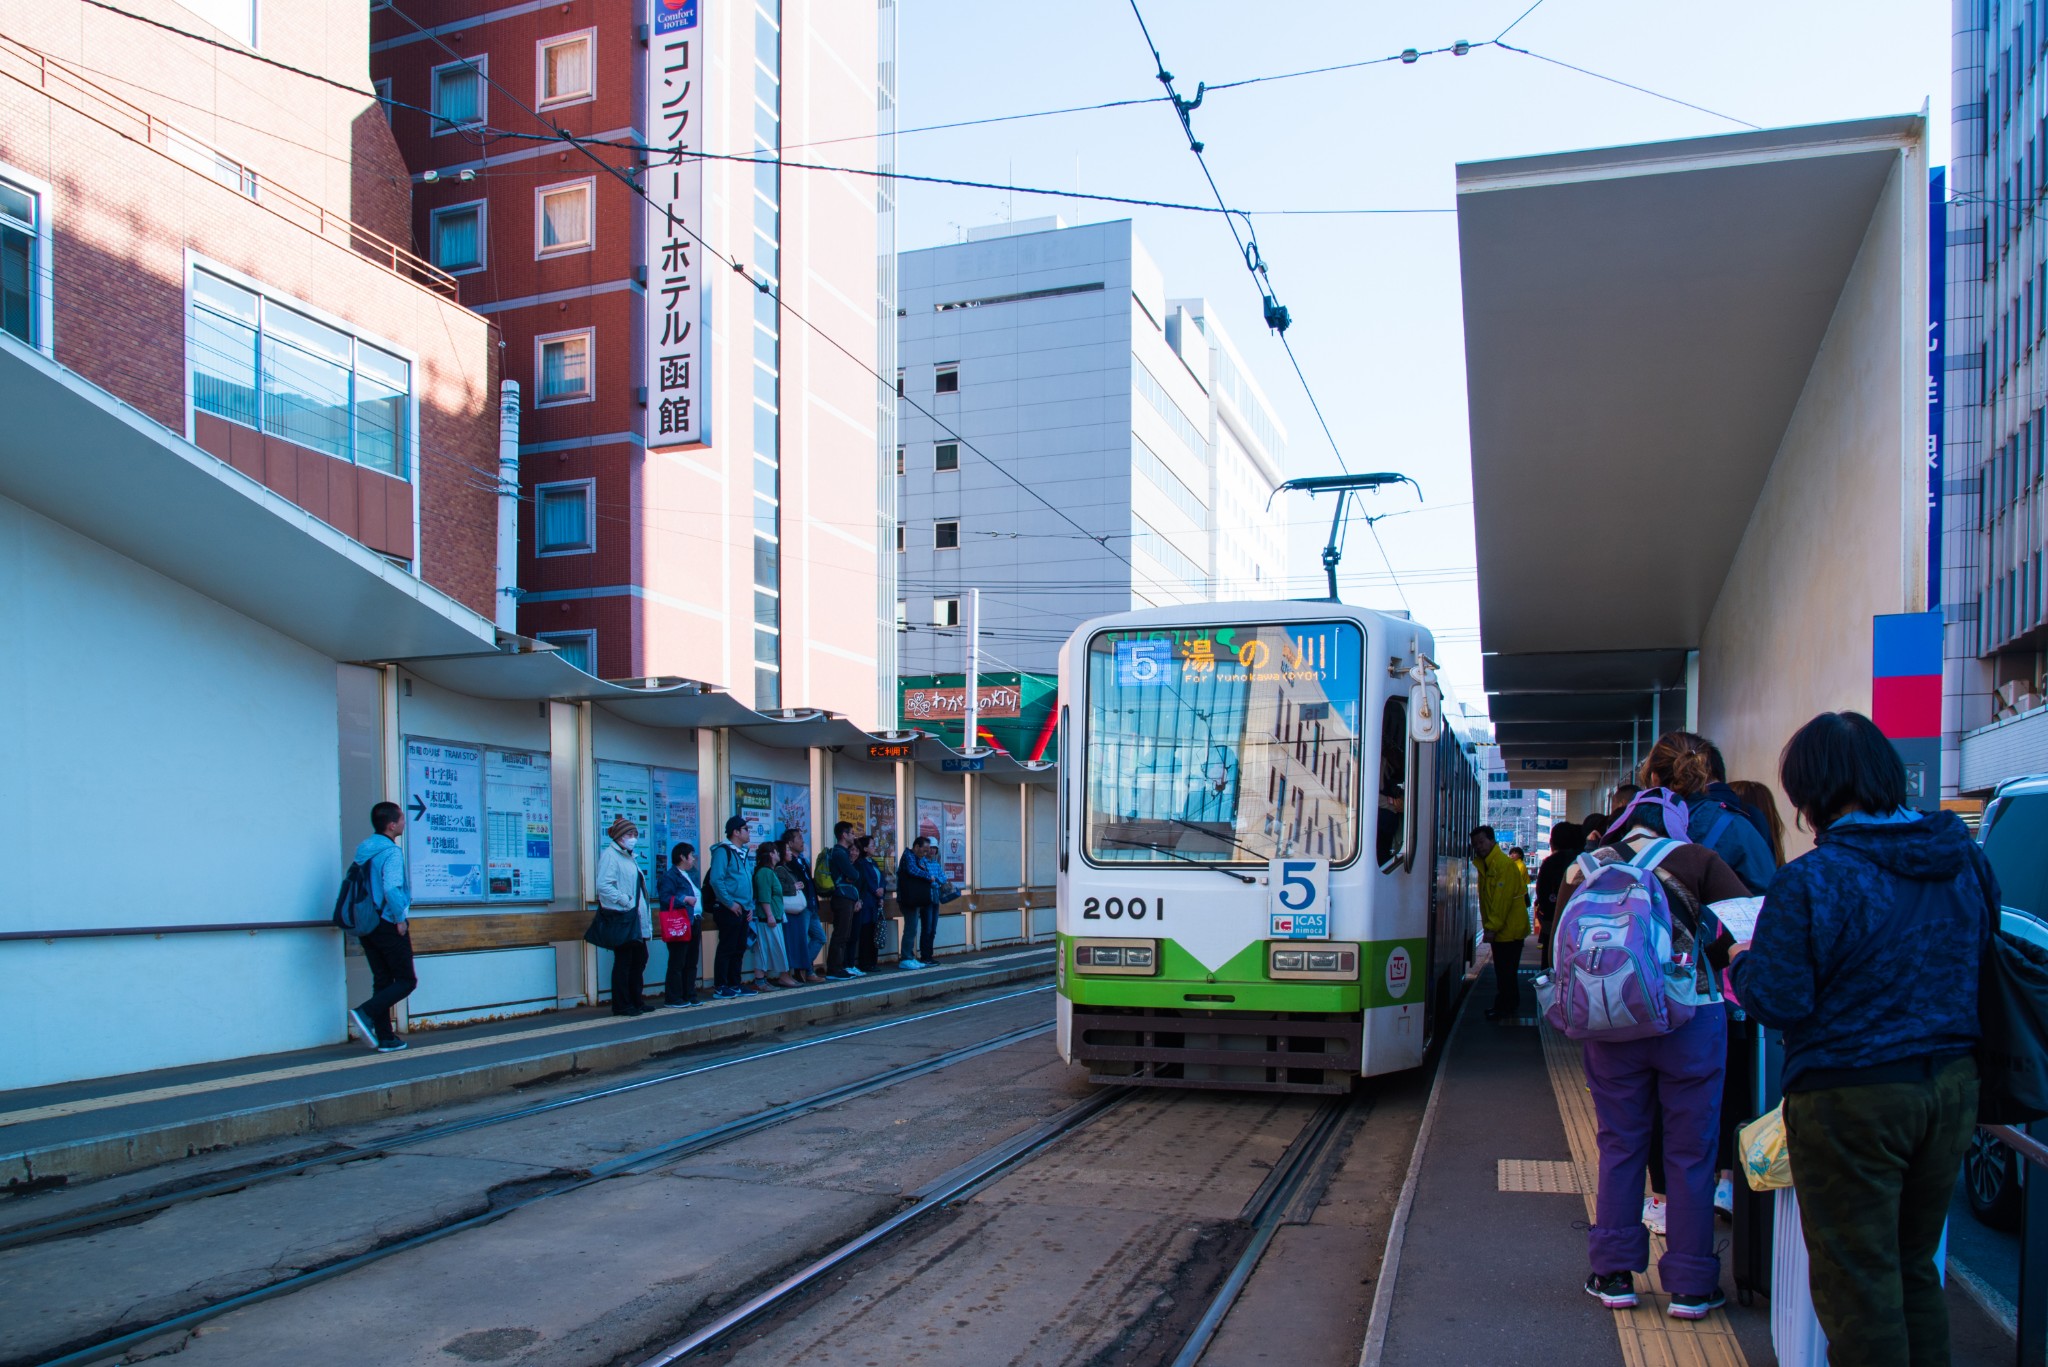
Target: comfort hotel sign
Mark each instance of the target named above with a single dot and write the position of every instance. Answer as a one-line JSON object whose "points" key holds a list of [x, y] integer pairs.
{"points": [[950, 704]]}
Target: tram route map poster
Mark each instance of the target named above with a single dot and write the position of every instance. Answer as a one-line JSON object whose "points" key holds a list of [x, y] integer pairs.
{"points": [[519, 827], [946, 825], [675, 812], [627, 790], [753, 803], [444, 811]]}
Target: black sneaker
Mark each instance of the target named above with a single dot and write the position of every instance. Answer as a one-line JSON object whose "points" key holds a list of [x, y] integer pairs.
{"points": [[1616, 1291], [359, 1021], [391, 1046], [1696, 1307]]}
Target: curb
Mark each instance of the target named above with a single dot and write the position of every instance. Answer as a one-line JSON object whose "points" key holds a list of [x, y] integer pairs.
{"points": [[132, 1150]]}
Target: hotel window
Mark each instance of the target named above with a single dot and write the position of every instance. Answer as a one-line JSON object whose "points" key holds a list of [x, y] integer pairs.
{"points": [[946, 456], [945, 612], [562, 218], [459, 237], [566, 68], [382, 85], [578, 648], [21, 263], [458, 95], [562, 361], [564, 517], [263, 364], [946, 536], [948, 379]]}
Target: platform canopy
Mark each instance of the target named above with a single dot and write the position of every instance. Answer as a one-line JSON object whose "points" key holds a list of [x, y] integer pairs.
{"points": [[1639, 326]]}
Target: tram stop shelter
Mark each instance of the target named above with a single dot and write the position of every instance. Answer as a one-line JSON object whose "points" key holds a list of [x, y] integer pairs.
{"points": [[1696, 380]]}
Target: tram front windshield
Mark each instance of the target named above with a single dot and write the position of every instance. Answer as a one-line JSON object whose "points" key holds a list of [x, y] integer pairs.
{"points": [[1231, 744]]}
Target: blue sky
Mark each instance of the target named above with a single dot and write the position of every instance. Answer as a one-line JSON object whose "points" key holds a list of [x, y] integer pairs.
{"points": [[1375, 299]]}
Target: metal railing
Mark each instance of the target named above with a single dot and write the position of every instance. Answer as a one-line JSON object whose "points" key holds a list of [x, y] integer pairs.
{"points": [[74, 91], [115, 932], [2032, 1303]]}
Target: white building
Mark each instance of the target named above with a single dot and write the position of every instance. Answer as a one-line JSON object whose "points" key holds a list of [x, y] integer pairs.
{"points": [[1519, 816], [1096, 446]]}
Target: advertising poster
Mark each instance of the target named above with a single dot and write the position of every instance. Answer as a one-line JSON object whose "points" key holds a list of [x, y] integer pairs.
{"points": [[790, 808], [627, 790], [945, 823], [675, 812], [519, 827], [753, 803], [882, 826], [444, 811], [853, 807]]}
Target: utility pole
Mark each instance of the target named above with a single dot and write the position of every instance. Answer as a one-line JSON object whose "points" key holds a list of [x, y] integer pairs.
{"points": [[972, 739]]}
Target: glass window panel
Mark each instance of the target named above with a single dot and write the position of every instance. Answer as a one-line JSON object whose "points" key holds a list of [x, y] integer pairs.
{"points": [[766, 519], [565, 69], [458, 95], [947, 382], [946, 456], [307, 335], [764, 477], [565, 518], [767, 89], [17, 283], [392, 371], [305, 395], [383, 413], [458, 239], [767, 181], [766, 351], [224, 366], [565, 368], [767, 219], [767, 128], [766, 428], [220, 296], [578, 648], [767, 688], [565, 218], [767, 311], [767, 563], [946, 536], [764, 386], [767, 646], [767, 258], [17, 204], [767, 609], [767, 43]]}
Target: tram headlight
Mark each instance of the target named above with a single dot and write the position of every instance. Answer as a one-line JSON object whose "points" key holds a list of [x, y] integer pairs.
{"points": [[1319, 962], [1136, 957]]}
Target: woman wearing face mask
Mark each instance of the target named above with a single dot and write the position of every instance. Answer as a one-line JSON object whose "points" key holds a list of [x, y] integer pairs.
{"points": [[620, 888]]}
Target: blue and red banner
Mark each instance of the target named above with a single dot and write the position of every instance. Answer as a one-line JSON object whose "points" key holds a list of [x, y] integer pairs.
{"points": [[1905, 697]]}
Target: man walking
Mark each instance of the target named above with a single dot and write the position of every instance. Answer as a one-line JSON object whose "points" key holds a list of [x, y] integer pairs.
{"points": [[1504, 919], [388, 948], [729, 892]]}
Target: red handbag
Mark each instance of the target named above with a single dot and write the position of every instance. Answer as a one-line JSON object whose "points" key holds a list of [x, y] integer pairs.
{"points": [[676, 923]]}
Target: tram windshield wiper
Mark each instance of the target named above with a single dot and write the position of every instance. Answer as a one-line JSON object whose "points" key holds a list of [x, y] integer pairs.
{"points": [[1176, 854], [1200, 829]]}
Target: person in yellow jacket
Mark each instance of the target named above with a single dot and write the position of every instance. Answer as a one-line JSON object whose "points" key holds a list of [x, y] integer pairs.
{"points": [[1504, 919]]}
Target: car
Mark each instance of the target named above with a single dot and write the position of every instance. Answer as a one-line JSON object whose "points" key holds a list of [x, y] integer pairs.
{"points": [[2014, 833]]}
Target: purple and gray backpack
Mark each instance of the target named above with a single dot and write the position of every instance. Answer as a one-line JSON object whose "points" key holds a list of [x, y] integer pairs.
{"points": [[1616, 975]]}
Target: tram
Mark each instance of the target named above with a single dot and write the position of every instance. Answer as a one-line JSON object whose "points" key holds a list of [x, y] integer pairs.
{"points": [[1263, 820]]}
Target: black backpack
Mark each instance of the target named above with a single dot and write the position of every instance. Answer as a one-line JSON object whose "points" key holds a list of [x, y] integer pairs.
{"points": [[355, 908]]}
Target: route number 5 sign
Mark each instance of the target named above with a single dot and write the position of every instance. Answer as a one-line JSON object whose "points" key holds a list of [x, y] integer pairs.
{"points": [[1299, 899]]}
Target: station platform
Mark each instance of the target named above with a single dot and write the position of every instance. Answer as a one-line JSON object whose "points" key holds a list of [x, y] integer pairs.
{"points": [[1486, 1256], [78, 1131]]}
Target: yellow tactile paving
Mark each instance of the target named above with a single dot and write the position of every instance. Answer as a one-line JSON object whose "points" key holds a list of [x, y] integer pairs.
{"points": [[1539, 1175], [1649, 1336]]}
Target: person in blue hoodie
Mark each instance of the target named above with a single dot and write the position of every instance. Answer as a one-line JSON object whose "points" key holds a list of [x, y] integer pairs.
{"points": [[1866, 956], [1691, 766], [388, 948]]}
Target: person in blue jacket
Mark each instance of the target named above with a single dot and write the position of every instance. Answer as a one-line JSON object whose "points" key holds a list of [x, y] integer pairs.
{"points": [[388, 948], [1866, 956], [1690, 766]]}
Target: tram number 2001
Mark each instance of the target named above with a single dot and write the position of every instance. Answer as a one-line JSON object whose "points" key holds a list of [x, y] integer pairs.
{"points": [[1120, 908]]}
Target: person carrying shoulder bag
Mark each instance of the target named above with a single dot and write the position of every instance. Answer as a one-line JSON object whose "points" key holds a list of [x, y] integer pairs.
{"points": [[843, 902], [623, 916]]}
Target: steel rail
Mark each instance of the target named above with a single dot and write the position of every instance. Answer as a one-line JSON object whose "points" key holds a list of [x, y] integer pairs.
{"points": [[630, 1163], [960, 1182], [1270, 1207], [105, 1215]]}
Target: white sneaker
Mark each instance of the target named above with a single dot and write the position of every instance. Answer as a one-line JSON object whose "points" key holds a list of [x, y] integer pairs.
{"points": [[1653, 1214], [908, 963], [1724, 1196]]}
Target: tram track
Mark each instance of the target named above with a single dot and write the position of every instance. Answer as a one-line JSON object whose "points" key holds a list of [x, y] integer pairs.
{"points": [[122, 1212], [556, 1184]]}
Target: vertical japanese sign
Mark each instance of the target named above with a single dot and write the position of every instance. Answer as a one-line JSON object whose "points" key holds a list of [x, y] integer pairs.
{"points": [[1937, 377], [676, 333]]}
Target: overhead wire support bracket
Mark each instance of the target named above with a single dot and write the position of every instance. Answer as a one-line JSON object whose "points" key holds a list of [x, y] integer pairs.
{"points": [[1344, 486]]}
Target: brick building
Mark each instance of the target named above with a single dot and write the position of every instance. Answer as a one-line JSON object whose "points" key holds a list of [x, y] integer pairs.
{"points": [[744, 545], [223, 243]]}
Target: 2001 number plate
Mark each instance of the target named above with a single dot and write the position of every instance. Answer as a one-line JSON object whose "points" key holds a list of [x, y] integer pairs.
{"points": [[1123, 908]]}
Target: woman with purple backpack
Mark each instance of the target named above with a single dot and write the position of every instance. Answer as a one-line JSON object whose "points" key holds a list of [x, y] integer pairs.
{"points": [[1639, 1072]]}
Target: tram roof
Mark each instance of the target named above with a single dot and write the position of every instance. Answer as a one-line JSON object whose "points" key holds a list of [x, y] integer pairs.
{"points": [[1639, 325]]}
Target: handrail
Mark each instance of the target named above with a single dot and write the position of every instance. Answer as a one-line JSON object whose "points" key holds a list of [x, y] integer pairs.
{"points": [[108, 932], [2020, 1142], [57, 81]]}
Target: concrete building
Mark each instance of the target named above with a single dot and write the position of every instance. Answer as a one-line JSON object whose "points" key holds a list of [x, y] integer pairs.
{"points": [[1696, 375], [702, 450], [1072, 440], [1993, 533]]}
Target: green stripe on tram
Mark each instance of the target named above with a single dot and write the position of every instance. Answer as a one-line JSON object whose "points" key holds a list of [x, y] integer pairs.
{"points": [[1244, 979]]}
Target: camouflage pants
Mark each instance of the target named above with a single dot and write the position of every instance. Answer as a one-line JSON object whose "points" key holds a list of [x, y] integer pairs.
{"points": [[1875, 1168]]}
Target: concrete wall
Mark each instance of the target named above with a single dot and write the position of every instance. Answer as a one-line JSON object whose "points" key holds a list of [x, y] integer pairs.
{"points": [[170, 762], [1834, 539]]}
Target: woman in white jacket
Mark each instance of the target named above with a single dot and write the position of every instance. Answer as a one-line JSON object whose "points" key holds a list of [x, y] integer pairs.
{"points": [[620, 888]]}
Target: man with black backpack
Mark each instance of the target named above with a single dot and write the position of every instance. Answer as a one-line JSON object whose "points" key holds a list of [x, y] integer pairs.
{"points": [[374, 900]]}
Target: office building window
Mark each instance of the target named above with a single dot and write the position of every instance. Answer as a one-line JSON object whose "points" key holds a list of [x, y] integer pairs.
{"points": [[567, 68], [899, 460], [947, 456], [899, 384], [578, 648], [458, 95], [260, 363], [564, 518], [562, 218], [902, 613], [21, 262], [899, 538], [562, 360], [945, 612], [948, 380], [382, 85], [458, 237], [946, 536]]}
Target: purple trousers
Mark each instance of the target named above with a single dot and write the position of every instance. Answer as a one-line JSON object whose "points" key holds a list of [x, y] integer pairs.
{"points": [[1679, 1074]]}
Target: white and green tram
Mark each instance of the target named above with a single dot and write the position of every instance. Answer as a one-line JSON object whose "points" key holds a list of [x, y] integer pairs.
{"points": [[1263, 823]]}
